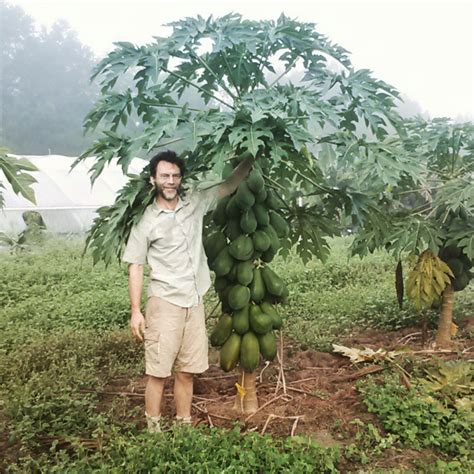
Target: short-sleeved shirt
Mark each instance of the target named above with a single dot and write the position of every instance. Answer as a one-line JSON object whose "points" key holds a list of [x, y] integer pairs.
{"points": [[171, 243]]}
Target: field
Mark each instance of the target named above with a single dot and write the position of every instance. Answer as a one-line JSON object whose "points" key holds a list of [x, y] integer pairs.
{"points": [[72, 379]]}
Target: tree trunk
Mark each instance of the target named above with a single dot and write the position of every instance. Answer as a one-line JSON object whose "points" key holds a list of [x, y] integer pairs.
{"points": [[443, 336], [248, 403]]}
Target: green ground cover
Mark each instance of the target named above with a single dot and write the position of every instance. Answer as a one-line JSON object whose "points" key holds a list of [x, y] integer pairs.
{"points": [[64, 326]]}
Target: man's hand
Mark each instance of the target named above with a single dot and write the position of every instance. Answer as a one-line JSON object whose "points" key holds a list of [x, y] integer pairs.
{"points": [[137, 325]]}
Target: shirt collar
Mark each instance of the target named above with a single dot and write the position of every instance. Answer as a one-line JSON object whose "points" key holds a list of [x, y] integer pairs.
{"points": [[181, 203]]}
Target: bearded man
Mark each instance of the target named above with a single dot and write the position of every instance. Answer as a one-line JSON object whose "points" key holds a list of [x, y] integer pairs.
{"points": [[168, 238]]}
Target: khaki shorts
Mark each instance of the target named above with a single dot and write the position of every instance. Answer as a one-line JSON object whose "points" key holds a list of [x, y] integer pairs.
{"points": [[175, 337]]}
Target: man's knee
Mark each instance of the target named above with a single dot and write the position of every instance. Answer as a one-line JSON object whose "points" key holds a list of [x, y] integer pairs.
{"points": [[184, 376], [156, 381]]}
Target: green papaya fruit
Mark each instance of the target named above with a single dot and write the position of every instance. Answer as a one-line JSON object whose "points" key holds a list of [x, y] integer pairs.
{"points": [[255, 181], [274, 239], [232, 230], [261, 196], [456, 266], [248, 222], [261, 214], [239, 296], [268, 255], [232, 211], [273, 283], [450, 251], [240, 320], [230, 352], [260, 322], [219, 215], [222, 330], [244, 198], [272, 202], [466, 261], [268, 346], [460, 282], [223, 262], [269, 309], [241, 248], [257, 287], [232, 275], [279, 224], [249, 352], [261, 241], [213, 244], [245, 272], [221, 283]]}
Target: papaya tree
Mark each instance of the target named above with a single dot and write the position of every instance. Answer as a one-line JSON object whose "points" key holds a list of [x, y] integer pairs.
{"points": [[433, 222], [321, 133], [17, 173]]}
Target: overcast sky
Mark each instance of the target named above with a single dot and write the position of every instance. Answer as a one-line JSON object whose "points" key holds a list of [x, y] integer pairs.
{"points": [[425, 48]]}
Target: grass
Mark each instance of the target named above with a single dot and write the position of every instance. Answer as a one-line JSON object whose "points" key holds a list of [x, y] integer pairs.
{"points": [[64, 326]]}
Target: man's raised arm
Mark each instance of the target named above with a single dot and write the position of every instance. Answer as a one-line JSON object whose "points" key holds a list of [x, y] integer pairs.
{"points": [[237, 176]]}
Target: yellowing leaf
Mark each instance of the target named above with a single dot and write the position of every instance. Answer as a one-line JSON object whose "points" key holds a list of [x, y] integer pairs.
{"points": [[427, 281], [240, 390]]}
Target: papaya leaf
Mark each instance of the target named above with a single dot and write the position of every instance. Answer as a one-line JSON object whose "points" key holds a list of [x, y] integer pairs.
{"points": [[16, 172]]}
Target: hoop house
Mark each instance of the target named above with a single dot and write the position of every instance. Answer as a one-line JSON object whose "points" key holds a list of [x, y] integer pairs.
{"points": [[65, 198]]}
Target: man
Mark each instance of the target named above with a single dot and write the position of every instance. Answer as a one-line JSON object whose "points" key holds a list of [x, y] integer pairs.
{"points": [[169, 239]]}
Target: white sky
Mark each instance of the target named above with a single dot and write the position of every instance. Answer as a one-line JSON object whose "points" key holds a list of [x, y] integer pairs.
{"points": [[425, 48]]}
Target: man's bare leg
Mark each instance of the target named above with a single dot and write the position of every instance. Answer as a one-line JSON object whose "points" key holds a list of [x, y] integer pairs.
{"points": [[183, 394], [153, 395]]}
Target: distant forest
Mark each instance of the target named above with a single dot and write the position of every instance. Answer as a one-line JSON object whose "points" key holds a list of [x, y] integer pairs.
{"points": [[45, 86]]}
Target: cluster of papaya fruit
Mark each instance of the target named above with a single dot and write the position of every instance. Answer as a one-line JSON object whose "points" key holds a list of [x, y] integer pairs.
{"points": [[247, 238], [459, 263]]}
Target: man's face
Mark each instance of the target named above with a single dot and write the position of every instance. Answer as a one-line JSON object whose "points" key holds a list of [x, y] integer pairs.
{"points": [[167, 180]]}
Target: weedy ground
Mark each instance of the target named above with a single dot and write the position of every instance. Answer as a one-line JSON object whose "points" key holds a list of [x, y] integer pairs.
{"points": [[72, 379]]}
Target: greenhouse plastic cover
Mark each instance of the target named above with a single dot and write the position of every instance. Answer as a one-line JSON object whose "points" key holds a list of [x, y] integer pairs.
{"points": [[65, 199]]}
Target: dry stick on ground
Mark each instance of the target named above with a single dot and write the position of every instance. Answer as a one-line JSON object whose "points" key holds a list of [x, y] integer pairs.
{"points": [[267, 364], [304, 380], [218, 377], [207, 413], [281, 374], [360, 373], [211, 424], [263, 406], [305, 392], [272, 416], [293, 429], [408, 336], [123, 394]]}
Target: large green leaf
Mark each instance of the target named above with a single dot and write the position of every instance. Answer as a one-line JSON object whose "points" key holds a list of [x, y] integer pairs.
{"points": [[16, 172]]}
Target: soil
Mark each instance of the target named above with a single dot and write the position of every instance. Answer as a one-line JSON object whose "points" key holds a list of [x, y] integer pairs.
{"points": [[319, 399]]}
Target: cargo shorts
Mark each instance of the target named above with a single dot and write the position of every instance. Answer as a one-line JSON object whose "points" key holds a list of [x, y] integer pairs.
{"points": [[175, 338]]}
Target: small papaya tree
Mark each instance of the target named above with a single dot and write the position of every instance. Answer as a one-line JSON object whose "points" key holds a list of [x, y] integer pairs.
{"points": [[282, 92], [433, 222]]}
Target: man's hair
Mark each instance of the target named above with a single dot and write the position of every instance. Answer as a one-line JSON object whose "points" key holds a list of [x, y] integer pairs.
{"points": [[170, 157]]}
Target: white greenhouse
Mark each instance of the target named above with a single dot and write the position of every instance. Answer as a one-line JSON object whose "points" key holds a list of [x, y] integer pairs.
{"points": [[65, 199]]}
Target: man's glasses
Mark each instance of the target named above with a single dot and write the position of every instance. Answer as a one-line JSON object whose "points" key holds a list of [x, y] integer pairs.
{"points": [[166, 177]]}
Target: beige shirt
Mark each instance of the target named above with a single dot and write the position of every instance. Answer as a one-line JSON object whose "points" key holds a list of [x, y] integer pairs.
{"points": [[171, 243]]}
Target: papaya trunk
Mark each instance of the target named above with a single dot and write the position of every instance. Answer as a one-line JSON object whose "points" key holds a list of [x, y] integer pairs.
{"points": [[248, 403], [443, 335]]}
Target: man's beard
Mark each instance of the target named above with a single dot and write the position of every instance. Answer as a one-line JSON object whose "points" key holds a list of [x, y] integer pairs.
{"points": [[167, 194]]}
